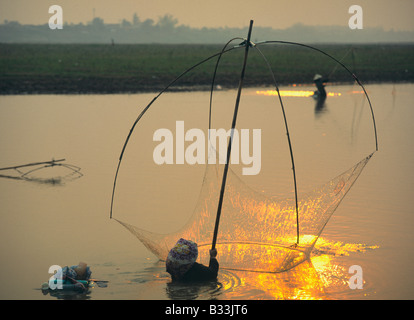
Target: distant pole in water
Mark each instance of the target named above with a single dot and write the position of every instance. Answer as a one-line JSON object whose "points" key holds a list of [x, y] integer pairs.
{"points": [[233, 125]]}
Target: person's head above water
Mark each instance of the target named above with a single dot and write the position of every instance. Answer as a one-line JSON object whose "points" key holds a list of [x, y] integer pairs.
{"points": [[181, 258], [81, 268]]}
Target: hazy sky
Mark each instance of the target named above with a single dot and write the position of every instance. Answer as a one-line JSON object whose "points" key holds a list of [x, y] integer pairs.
{"points": [[279, 14]]}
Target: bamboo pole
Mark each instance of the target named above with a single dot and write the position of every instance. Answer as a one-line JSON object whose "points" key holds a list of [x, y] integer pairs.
{"points": [[33, 164], [233, 125]]}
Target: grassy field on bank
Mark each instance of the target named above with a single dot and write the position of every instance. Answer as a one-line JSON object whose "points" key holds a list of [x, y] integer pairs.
{"points": [[43, 68]]}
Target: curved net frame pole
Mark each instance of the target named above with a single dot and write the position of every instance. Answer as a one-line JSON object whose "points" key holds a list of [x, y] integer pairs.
{"points": [[145, 110], [233, 125], [289, 142], [224, 50]]}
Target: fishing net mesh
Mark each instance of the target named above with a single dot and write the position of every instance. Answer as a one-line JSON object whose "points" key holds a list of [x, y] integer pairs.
{"points": [[257, 232]]}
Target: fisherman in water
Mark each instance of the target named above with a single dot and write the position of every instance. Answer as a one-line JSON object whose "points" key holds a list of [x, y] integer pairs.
{"points": [[320, 94], [74, 273], [182, 266], [319, 82]]}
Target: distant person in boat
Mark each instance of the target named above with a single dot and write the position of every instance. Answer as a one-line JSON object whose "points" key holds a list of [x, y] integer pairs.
{"points": [[182, 266], [320, 85]]}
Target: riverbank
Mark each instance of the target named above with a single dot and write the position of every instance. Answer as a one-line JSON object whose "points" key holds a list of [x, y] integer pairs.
{"points": [[72, 69]]}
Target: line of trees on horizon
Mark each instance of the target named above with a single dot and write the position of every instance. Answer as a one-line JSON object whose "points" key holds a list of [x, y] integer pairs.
{"points": [[168, 30], [164, 22]]}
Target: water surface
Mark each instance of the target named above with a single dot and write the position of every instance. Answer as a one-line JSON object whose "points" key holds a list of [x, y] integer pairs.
{"points": [[64, 222]]}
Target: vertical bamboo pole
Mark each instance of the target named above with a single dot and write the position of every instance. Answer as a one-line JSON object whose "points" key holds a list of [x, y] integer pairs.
{"points": [[233, 125]]}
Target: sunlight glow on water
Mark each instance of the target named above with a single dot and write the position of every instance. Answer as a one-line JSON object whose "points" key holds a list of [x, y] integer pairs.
{"points": [[294, 93]]}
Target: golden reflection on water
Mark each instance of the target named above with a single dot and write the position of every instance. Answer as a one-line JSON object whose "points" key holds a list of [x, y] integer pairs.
{"points": [[294, 93], [301, 282], [321, 277], [313, 279]]}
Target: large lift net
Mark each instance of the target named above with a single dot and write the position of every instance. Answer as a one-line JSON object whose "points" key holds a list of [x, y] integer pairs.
{"points": [[257, 232]]}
